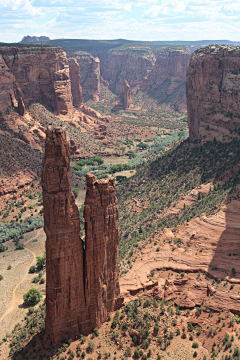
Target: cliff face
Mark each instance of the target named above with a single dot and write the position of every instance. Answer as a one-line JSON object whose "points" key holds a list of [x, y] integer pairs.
{"points": [[90, 74], [65, 301], [118, 66], [35, 74], [168, 77], [101, 251], [82, 284], [127, 100], [213, 100]]}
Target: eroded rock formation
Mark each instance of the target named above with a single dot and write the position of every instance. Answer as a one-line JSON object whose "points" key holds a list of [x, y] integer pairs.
{"points": [[90, 74], [101, 250], [65, 300], [35, 74], [213, 100], [82, 284], [127, 100], [74, 71]]}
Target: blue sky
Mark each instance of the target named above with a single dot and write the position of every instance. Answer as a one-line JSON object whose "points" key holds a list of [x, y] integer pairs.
{"points": [[110, 19]]}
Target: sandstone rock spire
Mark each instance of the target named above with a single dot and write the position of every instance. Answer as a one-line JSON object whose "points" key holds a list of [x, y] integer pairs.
{"points": [[65, 301], [101, 249], [82, 283], [127, 100]]}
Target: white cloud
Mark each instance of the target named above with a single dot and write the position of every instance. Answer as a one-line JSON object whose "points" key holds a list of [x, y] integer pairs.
{"points": [[134, 19]]}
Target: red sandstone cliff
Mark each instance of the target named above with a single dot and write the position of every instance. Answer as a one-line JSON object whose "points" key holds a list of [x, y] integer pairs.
{"points": [[132, 64], [127, 100], [82, 284], [36, 74], [213, 100], [90, 74], [167, 79], [101, 250]]}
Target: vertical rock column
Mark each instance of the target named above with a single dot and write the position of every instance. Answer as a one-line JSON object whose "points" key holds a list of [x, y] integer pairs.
{"points": [[74, 71], [101, 249], [65, 301], [127, 100]]}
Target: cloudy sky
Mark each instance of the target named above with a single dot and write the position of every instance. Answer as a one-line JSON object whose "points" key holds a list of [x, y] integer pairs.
{"points": [[110, 19]]}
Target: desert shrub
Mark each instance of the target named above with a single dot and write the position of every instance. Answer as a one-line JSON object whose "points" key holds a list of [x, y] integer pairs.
{"points": [[128, 352], [233, 271], [32, 269], [2, 248], [1, 277], [41, 262], [137, 354], [121, 178], [32, 297], [91, 346], [195, 345], [96, 331], [77, 167], [19, 246], [75, 192], [9, 267]]}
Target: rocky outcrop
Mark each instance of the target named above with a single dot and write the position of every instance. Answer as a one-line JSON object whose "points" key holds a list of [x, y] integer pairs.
{"points": [[101, 249], [65, 300], [82, 283], [74, 71], [90, 74], [39, 74], [213, 93], [21, 106], [127, 100]]}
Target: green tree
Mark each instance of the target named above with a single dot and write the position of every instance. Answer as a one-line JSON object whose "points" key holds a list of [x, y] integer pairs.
{"points": [[32, 297], [41, 262], [75, 192]]}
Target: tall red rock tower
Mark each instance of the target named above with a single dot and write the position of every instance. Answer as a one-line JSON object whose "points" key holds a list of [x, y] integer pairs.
{"points": [[127, 100], [101, 249], [65, 301], [82, 284]]}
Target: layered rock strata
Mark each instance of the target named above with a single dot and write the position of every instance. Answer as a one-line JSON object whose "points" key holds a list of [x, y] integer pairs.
{"points": [[82, 283], [213, 93], [35, 74], [90, 74], [127, 100]]}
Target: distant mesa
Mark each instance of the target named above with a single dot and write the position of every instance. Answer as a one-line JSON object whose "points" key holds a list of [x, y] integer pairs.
{"points": [[34, 39]]}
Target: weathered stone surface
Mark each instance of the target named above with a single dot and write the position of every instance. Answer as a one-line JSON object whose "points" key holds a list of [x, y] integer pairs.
{"points": [[213, 100], [74, 71], [101, 249], [127, 100], [65, 301], [35, 74], [90, 74], [82, 284]]}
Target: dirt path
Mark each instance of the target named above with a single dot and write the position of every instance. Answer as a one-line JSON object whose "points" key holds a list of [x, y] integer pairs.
{"points": [[16, 301]]}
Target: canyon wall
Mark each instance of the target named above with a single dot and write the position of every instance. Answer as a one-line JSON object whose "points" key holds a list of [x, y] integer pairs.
{"points": [[39, 74], [161, 74], [131, 64], [213, 93], [90, 74], [82, 283]]}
